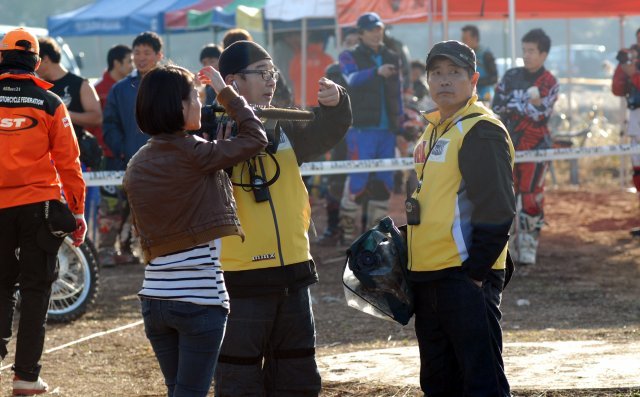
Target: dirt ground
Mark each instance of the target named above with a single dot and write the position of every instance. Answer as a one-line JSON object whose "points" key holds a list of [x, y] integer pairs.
{"points": [[584, 288]]}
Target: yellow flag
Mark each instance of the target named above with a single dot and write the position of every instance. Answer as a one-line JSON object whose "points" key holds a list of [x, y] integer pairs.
{"points": [[249, 18]]}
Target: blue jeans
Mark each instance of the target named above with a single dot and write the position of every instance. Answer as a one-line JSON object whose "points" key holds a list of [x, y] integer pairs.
{"points": [[186, 339], [366, 144]]}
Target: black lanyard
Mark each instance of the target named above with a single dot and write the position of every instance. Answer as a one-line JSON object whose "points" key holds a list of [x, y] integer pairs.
{"points": [[433, 140]]}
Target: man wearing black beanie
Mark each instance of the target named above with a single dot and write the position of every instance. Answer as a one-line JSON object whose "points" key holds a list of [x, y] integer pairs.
{"points": [[239, 55], [269, 346]]}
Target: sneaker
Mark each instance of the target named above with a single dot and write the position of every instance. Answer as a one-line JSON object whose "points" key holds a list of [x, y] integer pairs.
{"points": [[26, 388]]}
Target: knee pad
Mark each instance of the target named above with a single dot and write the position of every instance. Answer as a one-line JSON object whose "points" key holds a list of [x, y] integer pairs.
{"points": [[530, 223], [348, 214], [376, 210]]}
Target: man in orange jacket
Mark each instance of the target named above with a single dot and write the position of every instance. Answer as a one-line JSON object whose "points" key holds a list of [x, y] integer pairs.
{"points": [[38, 155]]}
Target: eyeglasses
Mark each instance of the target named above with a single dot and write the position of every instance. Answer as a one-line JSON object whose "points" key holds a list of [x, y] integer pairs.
{"points": [[267, 75]]}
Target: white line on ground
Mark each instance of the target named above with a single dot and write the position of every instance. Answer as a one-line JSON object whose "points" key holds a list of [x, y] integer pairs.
{"points": [[86, 338]]}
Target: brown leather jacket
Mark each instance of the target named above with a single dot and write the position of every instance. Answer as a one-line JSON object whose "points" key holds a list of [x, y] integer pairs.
{"points": [[179, 193]]}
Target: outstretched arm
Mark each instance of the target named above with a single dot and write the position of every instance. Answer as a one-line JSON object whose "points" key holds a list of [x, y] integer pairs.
{"points": [[331, 122]]}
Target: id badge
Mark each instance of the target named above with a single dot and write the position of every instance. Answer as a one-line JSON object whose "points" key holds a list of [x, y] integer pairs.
{"points": [[412, 208]]}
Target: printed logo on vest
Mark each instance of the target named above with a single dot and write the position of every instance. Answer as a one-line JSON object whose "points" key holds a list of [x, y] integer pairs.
{"points": [[264, 257], [439, 152]]}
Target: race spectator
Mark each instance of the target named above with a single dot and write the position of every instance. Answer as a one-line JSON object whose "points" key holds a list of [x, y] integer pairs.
{"points": [[121, 132], [183, 298], [486, 63], [269, 346], [76, 93], [524, 100], [458, 227], [112, 206], [39, 156], [626, 83], [209, 56], [119, 65], [83, 106], [372, 74]]}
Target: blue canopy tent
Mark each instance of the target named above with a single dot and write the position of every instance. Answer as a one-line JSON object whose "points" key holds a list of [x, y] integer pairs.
{"points": [[114, 17]]}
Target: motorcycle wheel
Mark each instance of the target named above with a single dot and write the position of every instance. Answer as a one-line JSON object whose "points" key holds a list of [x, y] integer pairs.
{"points": [[78, 281]]}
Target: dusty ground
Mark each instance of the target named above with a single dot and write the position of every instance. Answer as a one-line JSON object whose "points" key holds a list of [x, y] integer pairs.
{"points": [[584, 291]]}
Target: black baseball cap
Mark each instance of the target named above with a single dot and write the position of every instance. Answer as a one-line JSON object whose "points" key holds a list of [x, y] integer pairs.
{"points": [[369, 20], [460, 53]]}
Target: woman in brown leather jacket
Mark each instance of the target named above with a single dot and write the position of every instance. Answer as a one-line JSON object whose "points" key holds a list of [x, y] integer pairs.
{"points": [[182, 204]]}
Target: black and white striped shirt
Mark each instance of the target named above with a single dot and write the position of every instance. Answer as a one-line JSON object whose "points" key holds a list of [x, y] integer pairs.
{"points": [[192, 275]]}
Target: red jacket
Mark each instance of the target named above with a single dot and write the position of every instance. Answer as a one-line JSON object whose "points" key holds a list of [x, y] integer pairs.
{"points": [[38, 148], [621, 83], [102, 88]]}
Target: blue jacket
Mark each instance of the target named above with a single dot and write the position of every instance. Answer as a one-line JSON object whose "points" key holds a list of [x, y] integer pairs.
{"points": [[121, 132]]}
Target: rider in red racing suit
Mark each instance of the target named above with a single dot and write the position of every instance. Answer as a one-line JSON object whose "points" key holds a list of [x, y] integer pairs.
{"points": [[527, 125]]}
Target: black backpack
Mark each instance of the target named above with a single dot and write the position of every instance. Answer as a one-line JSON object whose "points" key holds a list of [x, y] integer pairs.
{"points": [[90, 150]]}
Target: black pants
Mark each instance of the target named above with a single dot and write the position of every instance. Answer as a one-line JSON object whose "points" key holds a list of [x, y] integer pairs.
{"points": [[460, 339], [35, 271], [269, 348]]}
